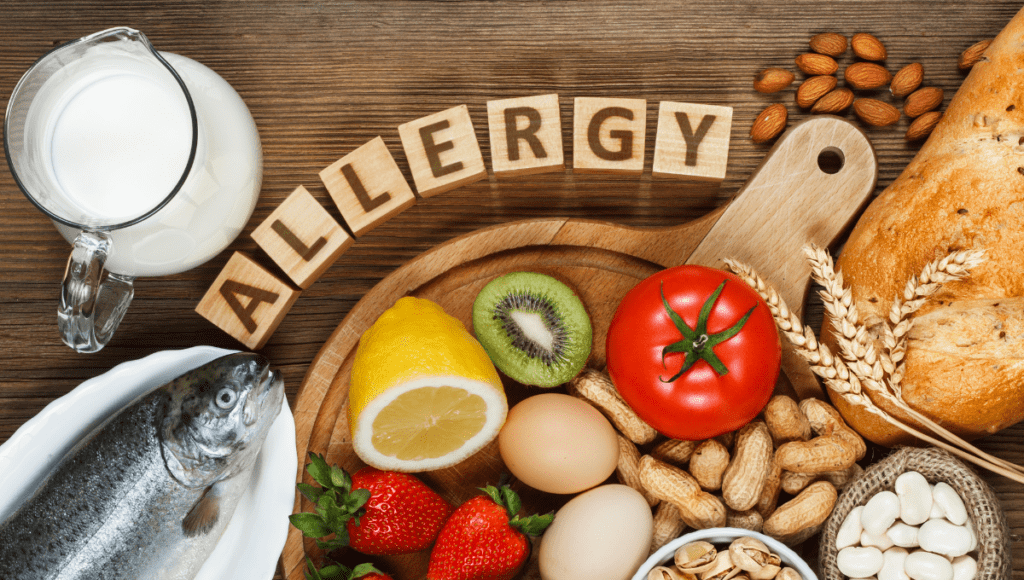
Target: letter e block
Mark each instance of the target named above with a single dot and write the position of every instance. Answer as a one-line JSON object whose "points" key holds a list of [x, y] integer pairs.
{"points": [[247, 302], [442, 150], [526, 135], [692, 141], [302, 238], [368, 187], [608, 135]]}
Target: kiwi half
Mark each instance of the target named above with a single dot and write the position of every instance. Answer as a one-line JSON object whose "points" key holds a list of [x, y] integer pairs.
{"points": [[534, 328]]}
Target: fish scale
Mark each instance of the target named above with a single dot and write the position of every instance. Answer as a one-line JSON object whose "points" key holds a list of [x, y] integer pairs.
{"points": [[112, 508]]}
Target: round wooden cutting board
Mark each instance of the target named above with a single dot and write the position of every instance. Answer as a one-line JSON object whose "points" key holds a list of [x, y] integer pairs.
{"points": [[810, 187]]}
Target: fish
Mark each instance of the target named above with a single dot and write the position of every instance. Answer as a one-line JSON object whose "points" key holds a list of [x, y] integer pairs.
{"points": [[148, 492]]}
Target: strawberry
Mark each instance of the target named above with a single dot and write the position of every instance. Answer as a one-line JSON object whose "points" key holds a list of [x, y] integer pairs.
{"points": [[403, 515], [485, 539], [337, 571]]}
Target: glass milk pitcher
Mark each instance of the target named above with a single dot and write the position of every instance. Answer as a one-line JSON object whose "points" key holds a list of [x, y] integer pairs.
{"points": [[148, 163]]}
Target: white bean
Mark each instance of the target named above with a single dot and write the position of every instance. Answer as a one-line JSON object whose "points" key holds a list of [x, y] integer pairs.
{"points": [[883, 542], [915, 497], [942, 537], [927, 566], [937, 512], [880, 513], [951, 504], [903, 535], [849, 533], [964, 568], [859, 562], [893, 565]]}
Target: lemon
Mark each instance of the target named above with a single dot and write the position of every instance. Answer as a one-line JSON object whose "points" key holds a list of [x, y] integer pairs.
{"points": [[423, 393]]}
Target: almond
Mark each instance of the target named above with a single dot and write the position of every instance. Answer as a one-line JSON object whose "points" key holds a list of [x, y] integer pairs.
{"points": [[829, 43], [907, 80], [836, 101], [867, 46], [769, 124], [866, 76], [813, 89], [814, 64], [923, 125], [772, 80], [972, 55], [922, 100], [875, 112]]}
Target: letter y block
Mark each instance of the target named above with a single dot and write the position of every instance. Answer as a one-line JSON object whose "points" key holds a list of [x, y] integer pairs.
{"points": [[692, 141]]}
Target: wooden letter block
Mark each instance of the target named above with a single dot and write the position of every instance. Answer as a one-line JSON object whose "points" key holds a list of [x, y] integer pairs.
{"points": [[608, 135], [442, 150], [368, 187], [247, 302], [526, 135], [692, 141], [302, 238]]}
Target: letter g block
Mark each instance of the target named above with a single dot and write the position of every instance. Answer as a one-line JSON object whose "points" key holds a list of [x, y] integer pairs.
{"points": [[608, 135]]}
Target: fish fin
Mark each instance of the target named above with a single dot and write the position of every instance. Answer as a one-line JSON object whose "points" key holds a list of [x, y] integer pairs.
{"points": [[203, 516]]}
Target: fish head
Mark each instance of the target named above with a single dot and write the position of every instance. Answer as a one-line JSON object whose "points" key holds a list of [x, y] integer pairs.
{"points": [[217, 416]]}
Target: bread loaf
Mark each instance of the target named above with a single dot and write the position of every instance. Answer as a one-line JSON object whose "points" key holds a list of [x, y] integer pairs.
{"points": [[964, 189]]}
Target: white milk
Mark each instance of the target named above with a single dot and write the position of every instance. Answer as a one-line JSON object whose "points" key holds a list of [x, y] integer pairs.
{"points": [[118, 142], [120, 145]]}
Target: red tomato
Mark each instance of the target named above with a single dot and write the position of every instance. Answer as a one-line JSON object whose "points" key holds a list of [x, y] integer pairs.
{"points": [[694, 365]]}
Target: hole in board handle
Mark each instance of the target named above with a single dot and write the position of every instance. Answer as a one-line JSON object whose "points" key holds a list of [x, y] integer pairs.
{"points": [[831, 160]]}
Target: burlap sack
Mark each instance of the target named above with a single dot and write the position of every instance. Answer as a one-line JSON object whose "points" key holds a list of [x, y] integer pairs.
{"points": [[994, 557]]}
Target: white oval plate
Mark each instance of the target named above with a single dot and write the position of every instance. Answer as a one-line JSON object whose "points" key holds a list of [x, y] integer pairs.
{"points": [[253, 540]]}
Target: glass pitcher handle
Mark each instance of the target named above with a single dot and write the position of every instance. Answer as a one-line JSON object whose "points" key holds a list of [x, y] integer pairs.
{"points": [[92, 300]]}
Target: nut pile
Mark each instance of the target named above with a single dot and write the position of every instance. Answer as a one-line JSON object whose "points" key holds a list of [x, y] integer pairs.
{"points": [[746, 559], [820, 93], [803, 449], [917, 530]]}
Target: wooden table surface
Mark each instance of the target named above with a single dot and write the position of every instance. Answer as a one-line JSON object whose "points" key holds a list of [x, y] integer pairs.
{"points": [[324, 77]]}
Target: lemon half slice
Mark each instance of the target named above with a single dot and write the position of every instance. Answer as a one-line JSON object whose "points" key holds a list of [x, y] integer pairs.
{"points": [[423, 393]]}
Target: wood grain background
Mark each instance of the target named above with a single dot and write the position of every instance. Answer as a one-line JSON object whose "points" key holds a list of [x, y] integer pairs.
{"points": [[323, 77]]}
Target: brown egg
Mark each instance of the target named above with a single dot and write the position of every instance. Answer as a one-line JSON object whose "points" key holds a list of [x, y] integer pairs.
{"points": [[558, 444]]}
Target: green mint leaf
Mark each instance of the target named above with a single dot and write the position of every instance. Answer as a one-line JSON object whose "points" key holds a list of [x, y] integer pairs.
{"points": [[334, 572], [312, 573], [311, 525], [332, 544], [319, 469], [311, 492]]}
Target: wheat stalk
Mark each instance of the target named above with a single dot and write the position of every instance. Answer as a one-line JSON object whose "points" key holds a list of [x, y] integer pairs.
{"points": [[845, 382]]}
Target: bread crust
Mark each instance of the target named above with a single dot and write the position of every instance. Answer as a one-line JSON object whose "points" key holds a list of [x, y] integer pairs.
{"points": [[964, 189]]}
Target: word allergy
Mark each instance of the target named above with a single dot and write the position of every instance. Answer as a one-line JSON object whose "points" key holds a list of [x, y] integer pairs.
{"points": [[248, 302]]}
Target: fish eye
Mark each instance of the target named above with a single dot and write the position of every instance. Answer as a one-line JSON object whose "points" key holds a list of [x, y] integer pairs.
{"points": [[226, 398]]}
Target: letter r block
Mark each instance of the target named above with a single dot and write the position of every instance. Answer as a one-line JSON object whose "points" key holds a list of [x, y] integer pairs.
{"points": [[526, 135], [368, 187], [692, 141], [608, 135], [302, 238], [247, 302], [442, 150]]}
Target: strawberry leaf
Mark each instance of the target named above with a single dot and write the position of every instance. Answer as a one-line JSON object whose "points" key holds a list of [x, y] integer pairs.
{"points": [[311, 492], [319, 470], [362, 570], [356, 499], [511, 500], [311, 525], [493, 493], [340, 480], [532, 525]]}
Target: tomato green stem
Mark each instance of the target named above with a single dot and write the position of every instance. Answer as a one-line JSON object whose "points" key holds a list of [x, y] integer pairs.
{"points": [[697, 344]]}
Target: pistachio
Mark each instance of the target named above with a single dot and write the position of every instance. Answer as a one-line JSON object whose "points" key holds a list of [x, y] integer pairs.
{"points": [[721, 569], [668, 573], [696, 557], [788, 574], [752, 556]]}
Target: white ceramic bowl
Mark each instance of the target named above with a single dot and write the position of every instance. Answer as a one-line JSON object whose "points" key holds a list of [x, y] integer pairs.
{"points": [[253, 540], [720, 537]]}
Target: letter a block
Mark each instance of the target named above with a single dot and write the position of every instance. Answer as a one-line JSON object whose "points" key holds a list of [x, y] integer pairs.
{"points": [[692, 141], [247, 302], [442, 150], [526, 135], [368, 187], [302, 238], [608, 135]]}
